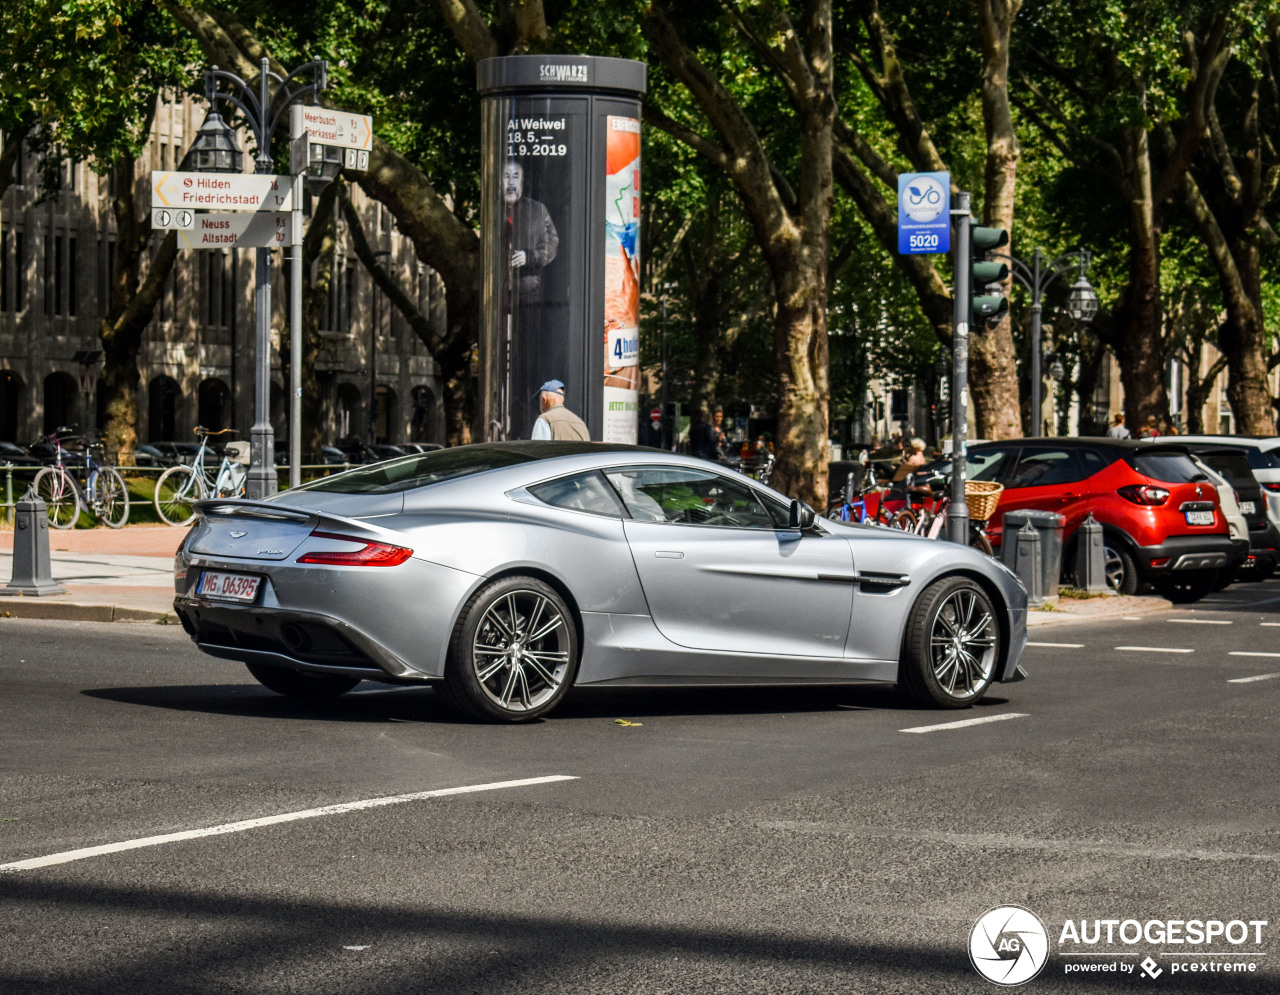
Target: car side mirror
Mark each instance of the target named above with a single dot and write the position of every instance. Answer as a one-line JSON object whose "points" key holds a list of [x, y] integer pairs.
{"points": [[800, 516]]}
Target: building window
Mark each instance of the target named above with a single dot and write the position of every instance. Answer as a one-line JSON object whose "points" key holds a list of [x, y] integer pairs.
{"points": [[6, 267], [73, 265], [19, 272]]}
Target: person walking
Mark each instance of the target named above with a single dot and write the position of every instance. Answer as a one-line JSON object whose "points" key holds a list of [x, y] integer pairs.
{"points": [[1118, 430], [556, 421]]}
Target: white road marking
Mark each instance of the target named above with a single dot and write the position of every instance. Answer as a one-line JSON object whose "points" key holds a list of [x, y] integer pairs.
{"points": [[1253, 653], [1154, 649], [993, 841], [1274, 624], [1131, 618], [1060, 646], [1250, 680], [968, 722], [271, 820], [1201, 621]]}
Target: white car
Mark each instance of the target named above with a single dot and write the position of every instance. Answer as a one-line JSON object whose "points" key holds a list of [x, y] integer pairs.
{"points": [[1264, 458]]}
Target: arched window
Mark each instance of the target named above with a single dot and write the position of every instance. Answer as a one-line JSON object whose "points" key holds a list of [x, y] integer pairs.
{"points": [[387, 421], [348, 411], [213, 404], [60, 401], [10, 405], [164, 398]]}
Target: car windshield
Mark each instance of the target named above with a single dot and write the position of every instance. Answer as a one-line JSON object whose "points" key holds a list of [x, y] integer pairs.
{"points": [[1168, 468], [408, 472]]}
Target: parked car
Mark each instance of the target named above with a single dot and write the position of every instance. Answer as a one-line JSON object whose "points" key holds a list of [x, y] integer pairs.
{"points": [[418, 447], [1232, 462], [145, 454], [1237, 524], [1264, 458], [1161, 520], [506, 573], [173, 453], [11, 452]]}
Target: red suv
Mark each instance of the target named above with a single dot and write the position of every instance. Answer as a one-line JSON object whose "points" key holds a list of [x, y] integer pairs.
{"points": [[1159, 514]]}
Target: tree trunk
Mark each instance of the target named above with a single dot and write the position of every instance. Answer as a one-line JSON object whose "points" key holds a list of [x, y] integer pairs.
{"points": [[993, 380], [132, 303], [1243, 339]]}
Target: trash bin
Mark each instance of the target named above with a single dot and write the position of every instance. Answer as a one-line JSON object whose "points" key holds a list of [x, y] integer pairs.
{"points": [[1049, 524]]}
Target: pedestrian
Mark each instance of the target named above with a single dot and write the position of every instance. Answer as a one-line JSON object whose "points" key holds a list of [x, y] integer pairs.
{"points": [[1150, 430], [1118, 430], [556, 421], [912, 462], [702, 438]]}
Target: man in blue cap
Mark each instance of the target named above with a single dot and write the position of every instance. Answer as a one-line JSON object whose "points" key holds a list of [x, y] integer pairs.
{"points": [[556, 421]]}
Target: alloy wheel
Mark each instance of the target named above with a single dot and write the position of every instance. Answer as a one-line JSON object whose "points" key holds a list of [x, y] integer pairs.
{"points": [[962, 644], [520, 652]]}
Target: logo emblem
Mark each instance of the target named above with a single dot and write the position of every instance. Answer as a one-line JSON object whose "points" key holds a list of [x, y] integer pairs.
{"points": [[1008, 945], [1150, 969], [1199, 491], [924, 198], [238, 535]]}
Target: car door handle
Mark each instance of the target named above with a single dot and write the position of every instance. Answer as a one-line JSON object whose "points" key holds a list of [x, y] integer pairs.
{"points": [[668, 554]]}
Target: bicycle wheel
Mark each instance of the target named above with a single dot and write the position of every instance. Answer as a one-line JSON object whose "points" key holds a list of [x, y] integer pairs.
{"points": [[230, 481], [53, 486], [177, 491], [905, 520], [978, 538], [110, 496]]}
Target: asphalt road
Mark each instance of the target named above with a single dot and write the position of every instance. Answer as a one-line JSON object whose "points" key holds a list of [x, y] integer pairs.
{"points": [[727, 841]]}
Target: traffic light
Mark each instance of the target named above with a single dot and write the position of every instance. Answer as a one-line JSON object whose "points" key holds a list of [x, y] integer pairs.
{"points": [[986, 307]]}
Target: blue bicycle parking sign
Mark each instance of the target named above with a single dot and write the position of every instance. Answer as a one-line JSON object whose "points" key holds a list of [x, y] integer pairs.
{"points": [[924, 213]]}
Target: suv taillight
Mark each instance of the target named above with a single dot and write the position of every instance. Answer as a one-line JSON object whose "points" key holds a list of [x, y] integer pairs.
{"points": [[1272, 487], [1144, 494], [374, 554]]}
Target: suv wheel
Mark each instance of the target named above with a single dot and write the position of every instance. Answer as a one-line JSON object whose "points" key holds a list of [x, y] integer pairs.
{"points": [[1121, 571]]}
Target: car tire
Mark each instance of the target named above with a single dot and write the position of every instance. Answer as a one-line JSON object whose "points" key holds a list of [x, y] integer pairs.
{"points": [[297, 684], [514, 652], [1183, 590], [1121, 570], [952, 645]]}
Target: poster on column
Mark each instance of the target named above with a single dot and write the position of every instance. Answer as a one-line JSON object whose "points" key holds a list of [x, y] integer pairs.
{"points": [[622, 279]]}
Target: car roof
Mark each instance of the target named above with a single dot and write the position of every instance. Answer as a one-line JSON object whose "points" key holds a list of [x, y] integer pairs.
{"points": [[1119, 446], [1239, 441]]}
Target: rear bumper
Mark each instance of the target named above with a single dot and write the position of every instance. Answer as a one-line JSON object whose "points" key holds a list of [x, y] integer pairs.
{"points": [[1182, 553]]}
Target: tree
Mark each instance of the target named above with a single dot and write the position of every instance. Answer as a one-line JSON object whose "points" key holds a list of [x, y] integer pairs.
{"points": [[1122, 91]]}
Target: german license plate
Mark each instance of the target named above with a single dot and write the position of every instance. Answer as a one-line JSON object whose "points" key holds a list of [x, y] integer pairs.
{"points": [[1199, 517], [1246, 507], [227, 587]]}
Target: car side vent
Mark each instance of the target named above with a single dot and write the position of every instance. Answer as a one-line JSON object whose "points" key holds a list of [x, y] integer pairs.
{"points": [[878, 583]]}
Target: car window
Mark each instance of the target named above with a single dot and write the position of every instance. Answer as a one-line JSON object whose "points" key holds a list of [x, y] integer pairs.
{"points": [[1233, 465], [1260, 460], [586, 492], [984, 464], [1168, 468], [693, 497], [406, 472], [1094, 461], [1046, 468]]}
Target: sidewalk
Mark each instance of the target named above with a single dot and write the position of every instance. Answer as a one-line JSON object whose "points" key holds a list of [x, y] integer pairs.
{"points": [[111, 575], [126, 575]]}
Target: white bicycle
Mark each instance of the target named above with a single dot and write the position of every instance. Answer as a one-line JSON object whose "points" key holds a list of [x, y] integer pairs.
{"points": [[180, 487]]}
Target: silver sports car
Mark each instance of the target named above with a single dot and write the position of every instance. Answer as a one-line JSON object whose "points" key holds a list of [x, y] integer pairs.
{"points": [[506, 573]]}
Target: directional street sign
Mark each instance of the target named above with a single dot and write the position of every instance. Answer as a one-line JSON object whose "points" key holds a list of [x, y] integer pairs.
{"points": [[924, 213], [162, 217], [343, 128], [222, 191], [238, 230]]}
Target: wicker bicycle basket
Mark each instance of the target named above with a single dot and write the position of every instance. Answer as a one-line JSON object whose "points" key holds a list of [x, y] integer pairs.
{"points": [[982, 496]]}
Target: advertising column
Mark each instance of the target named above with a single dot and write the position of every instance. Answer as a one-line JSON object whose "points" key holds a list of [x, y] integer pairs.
{"points": [[560, 234]]}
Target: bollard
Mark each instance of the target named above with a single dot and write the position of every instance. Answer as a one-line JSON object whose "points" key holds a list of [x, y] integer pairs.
{"points": [[1027, 564], [1091, 560], [31, 573]]}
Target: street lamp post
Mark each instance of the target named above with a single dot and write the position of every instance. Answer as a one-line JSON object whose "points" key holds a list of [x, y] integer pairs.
{"points": [[373, 353], [1082, 304], [667, 433], [216, 150]]}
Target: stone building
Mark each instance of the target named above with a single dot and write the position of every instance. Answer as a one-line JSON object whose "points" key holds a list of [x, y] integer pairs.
{"points": [[196, 366]]}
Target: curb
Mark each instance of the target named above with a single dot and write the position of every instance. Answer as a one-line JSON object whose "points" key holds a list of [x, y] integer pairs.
{"points": [[67, 612], [1127, 606]]}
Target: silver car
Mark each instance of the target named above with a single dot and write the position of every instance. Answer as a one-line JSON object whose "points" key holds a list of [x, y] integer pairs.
{"points": [[507, 573]]}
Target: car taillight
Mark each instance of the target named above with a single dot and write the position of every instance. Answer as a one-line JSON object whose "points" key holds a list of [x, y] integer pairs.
{"points": [[374, 554], [1273, 487], [1144, 494]]}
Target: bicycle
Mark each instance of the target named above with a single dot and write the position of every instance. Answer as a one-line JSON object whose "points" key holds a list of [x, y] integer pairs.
{"points": [[980, 496], [103, 494], [851, 505], [180, 487]]}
